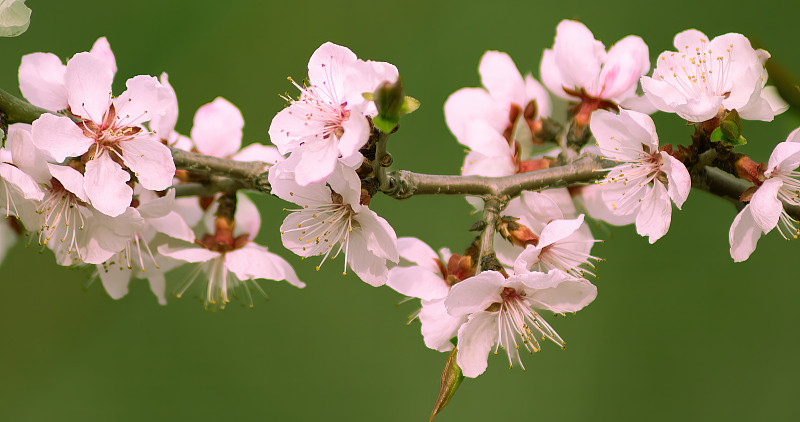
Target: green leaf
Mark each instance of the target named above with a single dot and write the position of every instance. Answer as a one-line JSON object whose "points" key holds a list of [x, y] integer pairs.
{"points": [[739, 141], [730, 129], [717, 135], [384, 124], [410, 105], [451, 380], [368, 96]]}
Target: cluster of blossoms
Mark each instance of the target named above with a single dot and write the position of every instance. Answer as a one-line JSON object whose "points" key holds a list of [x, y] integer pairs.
{"points": [[96, 182], [93, 182]]}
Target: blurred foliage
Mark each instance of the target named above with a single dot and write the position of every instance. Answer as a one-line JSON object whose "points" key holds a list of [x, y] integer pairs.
{"points": [[678, 331]]}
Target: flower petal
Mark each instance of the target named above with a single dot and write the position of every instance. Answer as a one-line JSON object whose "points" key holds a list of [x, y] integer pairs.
{"points": [[679, 182], [655, 213], [188, 254], [437, 326], [106, 186], [88, 81], [217, 129], [501, 78], [254, 261], [475, 339], [115, 279], [475, 293], [41, 81], [59, 137], [765, 206], [418, 252], [151, 162], [418, 282], [744, 235]]}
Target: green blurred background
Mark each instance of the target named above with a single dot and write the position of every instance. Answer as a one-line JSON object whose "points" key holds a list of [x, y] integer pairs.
{"points": [[678, 331]]}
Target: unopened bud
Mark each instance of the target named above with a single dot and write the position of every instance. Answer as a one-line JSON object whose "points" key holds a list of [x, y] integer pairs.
{"points": [[389, 99], [451, 380], [517, 234], [749, 170]]}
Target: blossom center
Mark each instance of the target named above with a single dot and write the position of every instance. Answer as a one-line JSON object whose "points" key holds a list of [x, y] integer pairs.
{"points": [[516, 324]]}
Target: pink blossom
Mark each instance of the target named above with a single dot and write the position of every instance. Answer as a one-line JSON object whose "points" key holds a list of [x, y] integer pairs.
{"points": [[110, 132], [647, 178], [705, 76], [578, 67], [765, 210], [332, 219], [424, 274], [328, 122], [501, 313]]}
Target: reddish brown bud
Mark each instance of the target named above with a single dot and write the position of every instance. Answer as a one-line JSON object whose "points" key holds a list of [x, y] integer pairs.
{"points": [[459, 268], [532, 165], [747, 169], [517, 234]]}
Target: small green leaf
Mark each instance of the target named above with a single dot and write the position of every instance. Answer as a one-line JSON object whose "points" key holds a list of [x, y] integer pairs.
{"points": [[739, 141], [717, 135], [368, 96], [410, 104], [451, 380], [385, 125], [730, 129]]}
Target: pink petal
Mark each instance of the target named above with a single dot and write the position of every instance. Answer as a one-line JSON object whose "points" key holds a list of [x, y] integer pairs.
{"points": [[577, 54], [59, 137], [21, 181], [468, 104], [785, 157], [328, 68], [248, 219], [259, 152], [143, 100], [71, 179], [418, 282], [158, 285], [475, 339], [418, 252], [173, 225], [679, 182], [626, 62], [115, 279], [475, 293], [253, 261], [744, 235], [153, 206], [25, 154], [106, 185], [286, 129], [501, 78], [557, 292], [41, 81], [356, 134], [150, 160], [163, 125], [188, 254], [535, 91], [88, 81], [217, 129], [765, 206], [437, 326], [317, 161], [552, 77], [368, 267], [655, 213], [378, 234], [599, 209], [102, 50]]}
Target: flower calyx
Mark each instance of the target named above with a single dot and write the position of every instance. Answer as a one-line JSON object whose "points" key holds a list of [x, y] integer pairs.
{"points": [[517, 234]]}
